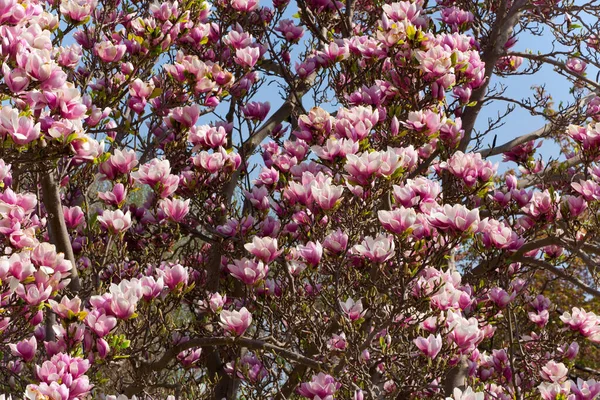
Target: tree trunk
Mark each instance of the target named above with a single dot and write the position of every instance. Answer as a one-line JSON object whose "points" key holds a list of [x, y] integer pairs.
{"points": [[59, 236]]}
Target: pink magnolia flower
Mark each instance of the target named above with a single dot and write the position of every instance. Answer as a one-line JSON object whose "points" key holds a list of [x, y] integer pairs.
{"points": [[465, 333], [337, 342], [151, 287], [322, 386], [379, 249], [554, 372], [77, 10], [156, 171], [115, 221], [587, 323], [336, 242], [397, 221], [248, 271], [114, 197], [289, 30], [585, 390], [576, 65], [25, 349], [175, 209], [467, 394], [120, 162], [430, 346], [174, 275], [100, 323], [21, 129], [454, 218], [109, 52], [74, 216], [501, 297], [66, 308], [470, 167], [311, 252], [248, 56], [256, 111], [353, 310], [325, 194], [207, 136], [216, 302], [244, 5], [236, 322], [265, 249], [497, 234]]}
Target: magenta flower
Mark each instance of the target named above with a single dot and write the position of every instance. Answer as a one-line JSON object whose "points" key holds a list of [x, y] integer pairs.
{"points": [[77, 10], [66, 308], [430, 346], [256, 111], [321, 387], [115, 221], [576, 65], [235, 322], [25, 349], [100, 323], [244, 5], [454, 218], [248, 271], [379, 249], [554, 372], [336, 242], [74, 216], [114, 197], [175, 209], [353, 310], [109, 52], [265, 249], [174, 275], [397, 221], [311, 252], [248, 56]]}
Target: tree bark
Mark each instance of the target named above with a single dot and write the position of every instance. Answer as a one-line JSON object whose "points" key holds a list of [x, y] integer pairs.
{"points": [[59, 236]]}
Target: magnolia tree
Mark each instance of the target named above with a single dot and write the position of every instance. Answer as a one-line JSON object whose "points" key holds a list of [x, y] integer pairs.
{"points": [[165, 234]]}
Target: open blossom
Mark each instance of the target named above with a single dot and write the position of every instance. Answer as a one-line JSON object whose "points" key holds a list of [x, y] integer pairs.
{"points": [[470, 167], [454, 218], [77, 10], [67, 308], [248, 271], [322, 386], [174, 275], [585, 390], [587, 323], [265, 249], [109, 52], [115, 221], [175, 209], [337, 342], [554, 372], [236, 322], [352, 309], [397, 221], [467, 394], [377, 249], [101, 324], [430, 346], [25, 349]]}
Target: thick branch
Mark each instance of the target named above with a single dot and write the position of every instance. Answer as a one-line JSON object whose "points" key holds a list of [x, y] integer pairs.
{"points": [[492, 151], [499, 35], [561, 274], [57, 229]]}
